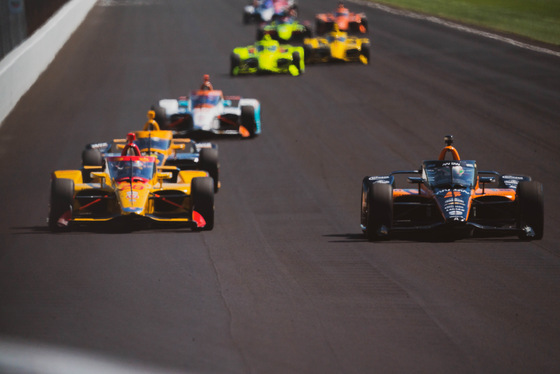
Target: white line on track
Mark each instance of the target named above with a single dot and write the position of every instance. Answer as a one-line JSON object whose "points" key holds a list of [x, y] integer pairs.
{"points": [[456, 26]]}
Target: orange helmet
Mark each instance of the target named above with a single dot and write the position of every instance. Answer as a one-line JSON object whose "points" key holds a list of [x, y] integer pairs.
{"points": [[206, 85]]}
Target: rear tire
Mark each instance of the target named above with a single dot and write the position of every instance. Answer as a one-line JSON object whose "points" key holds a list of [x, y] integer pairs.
{"points": [[320, 27], [202, 194], [62, 196], [92, 157], [530, 198], [248, 120], [161, 116], [379, 211], [365, 24], [208, 160]]}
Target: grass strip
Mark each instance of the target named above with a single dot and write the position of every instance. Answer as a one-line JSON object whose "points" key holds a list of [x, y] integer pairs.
{"points": [[534, 19]]}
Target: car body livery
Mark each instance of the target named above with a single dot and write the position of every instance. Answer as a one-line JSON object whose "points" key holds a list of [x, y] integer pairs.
{"points": [[130, 190], [337, 46], [451, 197]]}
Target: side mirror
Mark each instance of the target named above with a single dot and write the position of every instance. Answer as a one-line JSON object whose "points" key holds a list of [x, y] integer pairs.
{"points": [[484, 180], [415, 180], [164, 175], [99, 175], [418, 181]]}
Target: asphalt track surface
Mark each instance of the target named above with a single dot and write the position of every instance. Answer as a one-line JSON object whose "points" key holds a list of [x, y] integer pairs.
{"points": [[285, 283]]}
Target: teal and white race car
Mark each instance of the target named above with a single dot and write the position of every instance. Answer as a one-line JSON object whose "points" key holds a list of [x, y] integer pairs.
{"points": [[208, 111]]}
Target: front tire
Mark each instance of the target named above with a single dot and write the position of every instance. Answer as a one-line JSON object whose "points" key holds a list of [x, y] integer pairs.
{"points": [[202, 194], [235, 62], [530, 198], [379, 214], [365, 53], [296, 60], [62, 196]]}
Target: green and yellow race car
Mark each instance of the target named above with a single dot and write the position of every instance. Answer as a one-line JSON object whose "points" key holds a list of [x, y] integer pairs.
{"points": [[285, 30], [267, 56]]}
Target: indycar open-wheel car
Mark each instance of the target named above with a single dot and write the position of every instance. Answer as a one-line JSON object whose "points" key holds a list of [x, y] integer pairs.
{"points": [[452, 198]]}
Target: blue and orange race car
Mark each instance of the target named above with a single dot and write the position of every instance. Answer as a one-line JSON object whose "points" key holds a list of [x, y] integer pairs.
{"points": [[454, 198]]}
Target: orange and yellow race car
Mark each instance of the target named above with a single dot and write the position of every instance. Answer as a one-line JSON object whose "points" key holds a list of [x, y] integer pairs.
{"points": [[130, 190], [336, 46], [452, 198], [354, 23], [184, 153]]}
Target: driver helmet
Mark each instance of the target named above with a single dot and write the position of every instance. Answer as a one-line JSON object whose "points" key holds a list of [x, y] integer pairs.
{"points": [[206, 85], [130, 145]]}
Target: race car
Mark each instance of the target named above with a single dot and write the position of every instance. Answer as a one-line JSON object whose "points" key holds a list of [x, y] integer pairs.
{"points": [[267, 56], [285, 30], [129, 191], [185, 154], [452, 198], [268, 10], [208, 111], [355, 23], [336, 46]]}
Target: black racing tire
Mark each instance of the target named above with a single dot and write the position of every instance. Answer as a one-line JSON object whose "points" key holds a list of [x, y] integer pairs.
{"points": [[248, 120], [296, 60], [307, 52], [161, 116], [234, 61], [62, 196], [530, 198], [365, 52], [320, 27], [365, 24], [208, 161], [260, 33], [92, 157], [379, 211], [202, 194]]}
